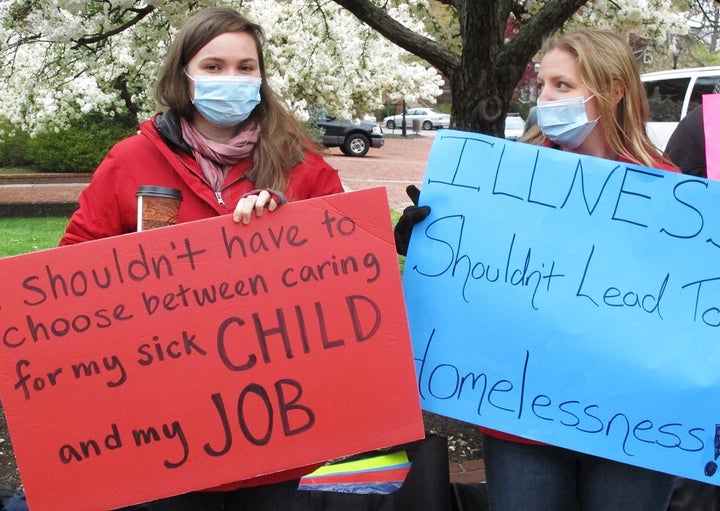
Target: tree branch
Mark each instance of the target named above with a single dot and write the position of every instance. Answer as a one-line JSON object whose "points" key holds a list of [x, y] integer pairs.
{"points": [[530, 38], [427, 49], [139, 15]]}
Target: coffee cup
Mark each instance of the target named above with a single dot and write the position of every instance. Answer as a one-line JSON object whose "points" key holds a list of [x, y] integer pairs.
{"points": [[157, 207]]}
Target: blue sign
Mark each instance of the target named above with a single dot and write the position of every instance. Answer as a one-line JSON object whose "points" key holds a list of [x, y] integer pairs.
{"points": [[571, 300]]}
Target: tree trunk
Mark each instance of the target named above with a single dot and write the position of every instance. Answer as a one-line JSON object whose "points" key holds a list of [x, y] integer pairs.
{"points": [[479, 99], [484, 76]]}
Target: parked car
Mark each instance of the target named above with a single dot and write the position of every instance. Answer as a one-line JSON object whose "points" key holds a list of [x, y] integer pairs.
{"points": [[429, 119], [514, 127], [353, 138], [673, 94]]}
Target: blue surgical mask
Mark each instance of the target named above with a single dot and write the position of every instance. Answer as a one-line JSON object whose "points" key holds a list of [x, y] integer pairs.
{"points": [[226, 100], [564, 121]]}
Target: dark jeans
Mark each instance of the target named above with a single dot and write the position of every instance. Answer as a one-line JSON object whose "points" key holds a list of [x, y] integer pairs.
{"points": [[546, 478], [690, 495], [271, 497]]}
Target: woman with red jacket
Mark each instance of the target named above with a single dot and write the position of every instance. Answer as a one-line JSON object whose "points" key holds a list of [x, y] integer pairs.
{"points": [[224, 134], [227, 142]]}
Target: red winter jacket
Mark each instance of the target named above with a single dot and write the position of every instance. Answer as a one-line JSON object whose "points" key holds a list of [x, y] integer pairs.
{"points": [[158, 156]]}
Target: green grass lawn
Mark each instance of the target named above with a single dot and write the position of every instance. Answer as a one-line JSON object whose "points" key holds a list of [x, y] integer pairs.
{"points": [[23, 235]]}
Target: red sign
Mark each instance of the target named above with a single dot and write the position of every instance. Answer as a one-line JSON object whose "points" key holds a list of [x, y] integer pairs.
{"points": [[178, 359]]}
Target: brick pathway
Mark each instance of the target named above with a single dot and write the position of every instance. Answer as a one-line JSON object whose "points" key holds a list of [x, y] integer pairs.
{"points": [[467, 472], [41, 188], [400, 162]]}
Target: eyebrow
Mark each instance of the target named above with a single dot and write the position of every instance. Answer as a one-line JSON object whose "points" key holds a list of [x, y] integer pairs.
{"points": [[560, 78], [212, 58]]}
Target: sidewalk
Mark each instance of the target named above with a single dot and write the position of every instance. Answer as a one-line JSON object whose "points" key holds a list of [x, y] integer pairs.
{"points": [[40, 194], [467, 472]]}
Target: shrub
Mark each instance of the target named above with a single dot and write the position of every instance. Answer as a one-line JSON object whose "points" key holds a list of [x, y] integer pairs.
{"points": [[79, 148], [13, 146], [316, 132]]}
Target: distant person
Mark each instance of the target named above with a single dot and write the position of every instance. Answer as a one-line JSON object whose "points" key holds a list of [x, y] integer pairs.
{"points": [[686, 146], [230, 145]]}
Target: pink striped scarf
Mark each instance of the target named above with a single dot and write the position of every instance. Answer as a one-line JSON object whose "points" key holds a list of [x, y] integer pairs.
{"points": [[216, 159]]}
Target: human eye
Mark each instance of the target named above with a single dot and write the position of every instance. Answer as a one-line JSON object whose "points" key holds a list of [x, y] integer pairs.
{"points": [[247, 66], [211, 65]]}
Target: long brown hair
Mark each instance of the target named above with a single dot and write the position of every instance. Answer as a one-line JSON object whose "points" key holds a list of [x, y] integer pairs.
{"points": [[608, 69], [283, 139]]}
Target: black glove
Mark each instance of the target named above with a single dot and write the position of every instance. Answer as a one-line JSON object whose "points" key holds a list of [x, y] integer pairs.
{"points": [[411, 215]]}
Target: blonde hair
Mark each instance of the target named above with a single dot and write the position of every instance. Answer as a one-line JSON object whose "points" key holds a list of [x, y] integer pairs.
{"points": [[608, 69], [283, 139]]}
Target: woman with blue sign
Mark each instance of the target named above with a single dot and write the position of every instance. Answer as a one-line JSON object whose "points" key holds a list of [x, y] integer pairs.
{"points": [[591, 102]]}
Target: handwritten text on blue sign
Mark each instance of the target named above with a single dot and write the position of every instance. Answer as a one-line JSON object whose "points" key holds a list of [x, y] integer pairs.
{"points": [[571, 300]]}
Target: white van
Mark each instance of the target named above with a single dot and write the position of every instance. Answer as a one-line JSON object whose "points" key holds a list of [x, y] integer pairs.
{"points": [[672, 94]]}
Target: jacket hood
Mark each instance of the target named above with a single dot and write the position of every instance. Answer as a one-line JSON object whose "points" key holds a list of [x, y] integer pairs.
{"points": [[169, 127]]}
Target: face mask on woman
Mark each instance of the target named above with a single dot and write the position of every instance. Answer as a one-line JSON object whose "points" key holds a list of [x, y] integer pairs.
{"points": [[226, 100], [564, 121]]}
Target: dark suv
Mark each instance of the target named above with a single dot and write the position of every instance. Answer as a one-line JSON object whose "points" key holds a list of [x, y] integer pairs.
{"points": [[353, 139]]}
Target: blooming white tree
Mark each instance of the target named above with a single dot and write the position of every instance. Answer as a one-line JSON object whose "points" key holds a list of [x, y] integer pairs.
{"points": [[701, 45], [62, 58], [651, 20], [67, 57]]}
